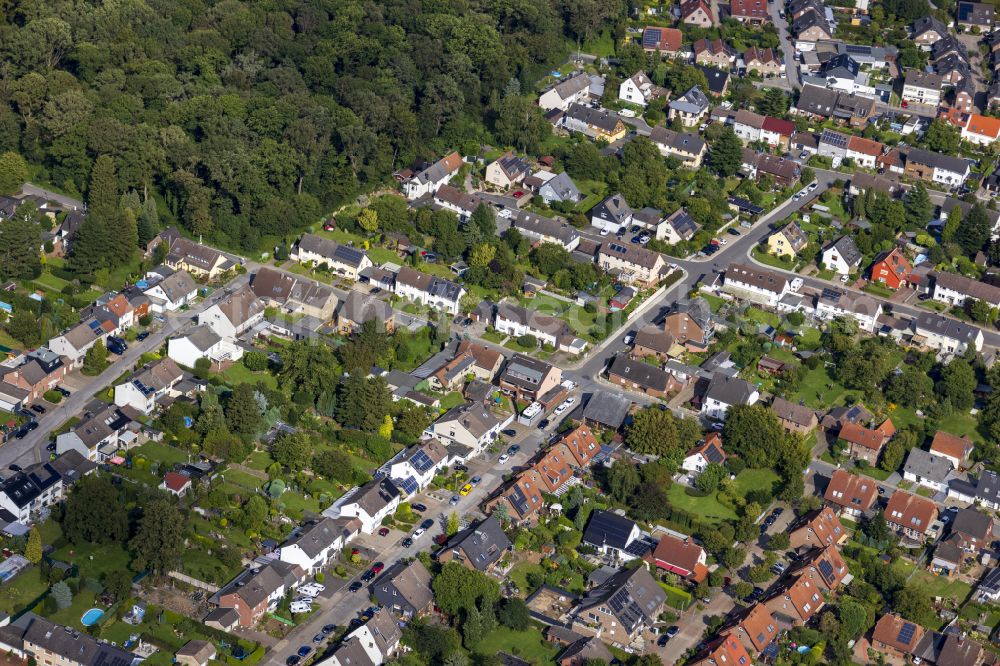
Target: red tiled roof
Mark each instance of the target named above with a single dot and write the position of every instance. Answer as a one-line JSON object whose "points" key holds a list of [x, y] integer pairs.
{"points": [[175, 481]]}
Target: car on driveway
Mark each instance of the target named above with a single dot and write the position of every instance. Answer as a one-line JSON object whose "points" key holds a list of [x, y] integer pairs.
{"points": [[455, 499], [427, 524], [672, 631], [142, 336], [407, 542], [503, 459], [319, 638], [304, 651], [418, 507], [663, 640], [329, 629], [466, 489], [293, 659], [417, 533], [39, 409], [377, 568], [383, 531], [513, 448], [64, 392], [509, 432], [732, 231], [355, 586], [475, 480]]}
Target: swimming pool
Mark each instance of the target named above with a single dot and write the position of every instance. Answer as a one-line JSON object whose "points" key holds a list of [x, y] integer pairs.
{"points": [[91, 617]]}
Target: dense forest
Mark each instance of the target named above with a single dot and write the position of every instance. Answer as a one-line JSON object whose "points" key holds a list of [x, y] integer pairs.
{"points": [[248, 119]]}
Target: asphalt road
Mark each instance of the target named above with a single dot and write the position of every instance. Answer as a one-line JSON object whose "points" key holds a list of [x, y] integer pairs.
{"points": [[31, 449], [787, 48]]}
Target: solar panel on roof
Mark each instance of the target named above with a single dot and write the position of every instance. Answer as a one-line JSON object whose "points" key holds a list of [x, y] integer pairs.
{"points": [[409, 485], [421, 462], [826, 570], [831, 294], [650, 38], [858, 49], [906, 633]]}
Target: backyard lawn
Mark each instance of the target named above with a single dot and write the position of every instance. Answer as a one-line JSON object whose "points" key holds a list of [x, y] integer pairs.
{"points": [[93, 560], [519, 574], [819, 390], [528, 645], [238, 373], [762, 317], [755, 479], [707, 508]]}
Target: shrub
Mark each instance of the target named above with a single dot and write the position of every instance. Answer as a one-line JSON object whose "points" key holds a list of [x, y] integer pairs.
{"points": [[320, 577], [145, 320], [53, 396], [255, 361], [527, 340]]}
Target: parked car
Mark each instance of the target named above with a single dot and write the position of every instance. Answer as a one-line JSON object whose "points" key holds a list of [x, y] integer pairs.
{"points": [[407, 542], [732, 231], [14, 468], [543, 424], [417, 533], [455, 499], [64, 392], [502, 460], [383, 531], [38, 408], [142, 336], [671, 631], [31, 426], [427, 524], [475, 480], [513, 448], [292, 660], [509, 432], [304, 650], [377, 568], [465, 490], [319, 638], [355, 586], [418, 507], [329, 629]]}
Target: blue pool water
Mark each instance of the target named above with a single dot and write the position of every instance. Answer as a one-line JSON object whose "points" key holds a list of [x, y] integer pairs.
{"points": [[92, 617]]}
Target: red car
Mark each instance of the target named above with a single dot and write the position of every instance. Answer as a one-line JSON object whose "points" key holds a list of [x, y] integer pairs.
{"points": [[384, 531], [377, 568]]}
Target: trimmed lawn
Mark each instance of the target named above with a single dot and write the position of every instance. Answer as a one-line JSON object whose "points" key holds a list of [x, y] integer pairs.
{"points": [[519, 574], [50, 282], [93, 560], [771, 260], [71, 615], [936, 586], [163, 453], [762, 317], [956, 423], [494, 336], [529, 645], [714, 302], [238, 373], [259, 460], [707, 508], [453, 399], [819, 390], [9, 342], [240, 478], [513, 344], [24, 589], [755, 479], [873, 472]]}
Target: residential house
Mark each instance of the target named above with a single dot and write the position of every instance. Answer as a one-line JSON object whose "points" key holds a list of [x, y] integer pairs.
{"points": [[621, 608], [560, 187], [359, 308], [718, 80], [202, 342], [713, 52], [451, 375], [41, 371], [614, 536], [98, 437], [379, 638], [522, 496], [842, 256], [34, 638], [151, 383], [680, 556], [833, 303], [529, 379], [258, 591], [314, 545], [782, 172], [707, 452], [235, 315], [821, 102], [945, 334], [638, 89], [429, 290], [866, 443], [341, 259], [763, 61], [690, 324], [754, 627], [896, 637], [114, 308], [581, 446], [613, 214], [457, 201], [478, 546], [652, 341], [573, 90], [984, 490], [598, 124], [795, 601], [988, 589], [822, 566], [976, 15], [12, 398], [724, 649], [980, 130], [953, 448], [922, 87], [486, 361], [631, 263], [971, 530], [637, 375], [507, 170], [547, 230], [755, 284], [172, 292], [369, 504], [811, 27], [679, 226], [415, 468], [753, 12], [689, 108], [430, 179], [724, 392], [910, 515], [74, 343], [864, 151], [698, 13], [405, 589], [687, 147], [936, 167], [818, 528], [928, 470], [927, 31], [472, 426], [197, 259], [891, 269], [852, 494], [583, 650], [955, 289], [666, 41], [515, 320], [787, 241], [33, 491], [776, 132], [794, 417], [195, 653]]}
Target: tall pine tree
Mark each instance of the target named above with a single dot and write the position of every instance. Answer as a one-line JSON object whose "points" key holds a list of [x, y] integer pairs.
{"points": [[20, 237]]}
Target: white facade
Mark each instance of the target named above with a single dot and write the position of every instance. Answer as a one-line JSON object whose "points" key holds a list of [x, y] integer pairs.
{"points": [[754, 293], [938, 486], [62, 346], [413, 293], [71, 441], [695, 464], [159, 302], [921, 95], [184, 352], [130, 395], [834, 261], [716, 409], [23, 514], [866, 320], [516, 329], [454, 431], [219, 322]]}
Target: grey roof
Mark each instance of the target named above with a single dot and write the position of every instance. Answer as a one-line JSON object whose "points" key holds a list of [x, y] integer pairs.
{"points": [[475, 418], [585, 649], [411, 581], [639, 372], [927, 465], [810, 20], [848, 250], [202, 337], [571, 86], [352, 653], [313, 538], [332, 250], [717, 79], [482, 545], [608, 409], [632, 595], [600, 118], [177, 286], [606, 528], [195, 254], [796, 413], [562, 186], [729, 390], [360, 308], [678, 141], [693, 101], [922, 79], [969, 287], [817, 100], [557, 228], [991, 581], [375, 495], [972, 522], [946, 327], [429, 284], [682, 223], [928, 23], [613, 209], [68, 644]]}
